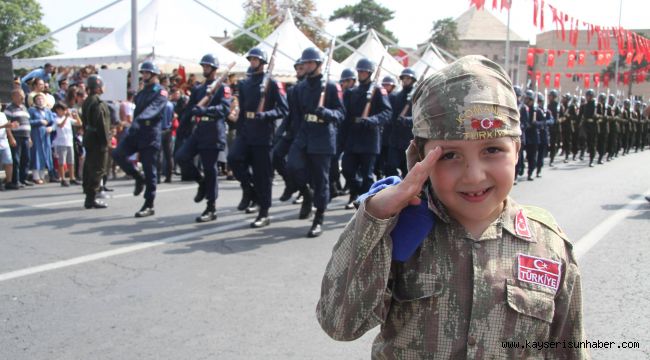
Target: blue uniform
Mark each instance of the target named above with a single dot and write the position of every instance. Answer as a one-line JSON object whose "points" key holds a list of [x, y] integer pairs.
{"points": [[186, 124], [401, 132], [143, 137], [544, 138], [523, 122], [315, 142], [362, 136], [534, 121], [252, 145], [207, 140], [284, 137]]}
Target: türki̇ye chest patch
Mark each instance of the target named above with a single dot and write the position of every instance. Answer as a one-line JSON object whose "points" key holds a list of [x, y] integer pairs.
{"points": [[535, 270]]}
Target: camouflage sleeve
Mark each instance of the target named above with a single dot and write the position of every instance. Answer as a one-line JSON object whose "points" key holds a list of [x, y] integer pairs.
{"points": [[567, 323], [354, 292]]}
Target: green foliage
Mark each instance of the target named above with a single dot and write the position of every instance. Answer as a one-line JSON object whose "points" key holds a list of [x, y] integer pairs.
{"points": [[445, 35], [365, 15], [20, 21], [244, 43]]}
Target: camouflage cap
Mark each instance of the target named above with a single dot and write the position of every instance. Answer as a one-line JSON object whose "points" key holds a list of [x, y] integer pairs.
{"points": [[469, 99]]}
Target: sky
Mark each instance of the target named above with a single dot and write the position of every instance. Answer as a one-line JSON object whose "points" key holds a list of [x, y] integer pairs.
{"points": [[412, 23]]}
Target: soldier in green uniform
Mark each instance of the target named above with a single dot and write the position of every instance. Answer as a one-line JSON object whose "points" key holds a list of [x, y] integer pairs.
{"points": [[628, 120], [603, 127], [574, 118], [97, 136], [489, 270], [588, 122], [612, 114]]}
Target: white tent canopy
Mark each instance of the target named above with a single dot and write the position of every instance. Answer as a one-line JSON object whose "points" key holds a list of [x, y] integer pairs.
{"points": [[373, 49], [432, 59], [291, 42], [157, 41]]}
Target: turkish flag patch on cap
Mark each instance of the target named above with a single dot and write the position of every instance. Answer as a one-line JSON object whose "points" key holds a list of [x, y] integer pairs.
{"points": [[535, 270]]}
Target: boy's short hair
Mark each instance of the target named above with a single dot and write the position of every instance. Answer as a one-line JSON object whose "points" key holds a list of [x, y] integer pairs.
{"points": [[59, 105]]}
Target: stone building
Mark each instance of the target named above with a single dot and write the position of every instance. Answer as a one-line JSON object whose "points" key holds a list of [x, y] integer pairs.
{"points": [[89, 34]]}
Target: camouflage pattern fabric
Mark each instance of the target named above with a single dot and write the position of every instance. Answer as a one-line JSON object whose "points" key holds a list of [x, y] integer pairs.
{"points": [[470, 99], [457, 297]]}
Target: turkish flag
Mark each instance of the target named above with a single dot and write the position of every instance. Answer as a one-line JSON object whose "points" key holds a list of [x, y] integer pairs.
{"points": [[606, 79], [478, 3], [640, 76], [556, 82], [628, 58], [530, 57], [547, 79], [551, 58], [572, 58], [608, 57], [538, 75], [600, 58], [585, 78], [597, 79], [626, 77], [581, 57]]}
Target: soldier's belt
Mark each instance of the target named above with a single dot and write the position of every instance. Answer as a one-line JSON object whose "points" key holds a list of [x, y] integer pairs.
{"points": [[589, 120], [250, 115], [91, 128], [358, 119], [313, 118], [206, 118]]}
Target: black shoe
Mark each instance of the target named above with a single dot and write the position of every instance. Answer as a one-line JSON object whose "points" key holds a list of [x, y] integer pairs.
{"points": [[298, 200], [261, 221], [27, 183], [230, 177], [252, 208], [538, 175], [530, 177], [600, 162], [145, 211], [591, 164], [305, 208], [315, 231], [11, 186], [75, 182], [95, 204], [245, 200], [104, 188], [65, 183], [566, 161], [168, 180], [286, 194], [139, 186], [551, 165], [200, 192], [208, 215]]}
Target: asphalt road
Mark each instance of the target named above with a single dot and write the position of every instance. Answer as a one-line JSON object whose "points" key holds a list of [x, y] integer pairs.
{"points": [[100, 284]]}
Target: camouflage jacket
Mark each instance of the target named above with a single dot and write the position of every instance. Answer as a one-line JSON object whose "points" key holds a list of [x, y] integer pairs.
{"points": [[457, 297]]}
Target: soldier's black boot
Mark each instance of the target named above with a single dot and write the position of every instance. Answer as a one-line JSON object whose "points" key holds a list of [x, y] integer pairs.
{"points": [[146, 210], [252, 207], [350, 204], [262, 219], [539, 173], [305, 208], [286, 194], [317, 225], [200, 192], [591, 162], [92, 203], [298, 199], [600, 160], [530, 176], [245, 198], [139, 184], [209, 214]]}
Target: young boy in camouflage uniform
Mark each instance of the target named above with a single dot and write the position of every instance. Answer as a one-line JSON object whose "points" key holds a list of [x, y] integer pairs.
{"points": [[490, 270]]}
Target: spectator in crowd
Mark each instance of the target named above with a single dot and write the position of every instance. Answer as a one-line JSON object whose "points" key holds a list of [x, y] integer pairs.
{"points": [[63, 142], [60, 95], [126, 110], [41, 120], [18, 115], [37, 87], [6, 142], [44, 73]]}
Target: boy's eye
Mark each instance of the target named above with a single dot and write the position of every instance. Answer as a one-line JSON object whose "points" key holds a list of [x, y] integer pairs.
{"points": [[448, 156], [493, 150]]}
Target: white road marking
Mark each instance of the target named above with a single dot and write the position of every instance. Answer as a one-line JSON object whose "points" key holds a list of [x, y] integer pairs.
{"points": [[137, 247], [596, 234], [81, 200]]}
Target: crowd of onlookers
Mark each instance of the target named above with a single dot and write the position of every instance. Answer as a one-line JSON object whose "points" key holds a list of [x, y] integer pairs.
{"points": [[41, 128]]}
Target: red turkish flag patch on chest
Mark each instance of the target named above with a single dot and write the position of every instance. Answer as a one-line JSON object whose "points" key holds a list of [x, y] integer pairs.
{"points": [[535, 270]]}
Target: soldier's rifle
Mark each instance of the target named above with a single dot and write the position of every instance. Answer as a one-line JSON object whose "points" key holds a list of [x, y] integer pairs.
{"points": [[326, 73], [372, 89], [215, 86], [409, 96], [264, 85]]}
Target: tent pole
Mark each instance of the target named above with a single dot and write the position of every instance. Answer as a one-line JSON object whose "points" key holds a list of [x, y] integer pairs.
{"points": [[51, 33], [390, 41], [310, 23], [134, 45], [348, 41], [247, 32], [249, 29]]}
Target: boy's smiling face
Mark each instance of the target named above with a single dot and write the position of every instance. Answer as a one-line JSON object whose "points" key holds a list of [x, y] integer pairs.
{"points": [[473, 178]]}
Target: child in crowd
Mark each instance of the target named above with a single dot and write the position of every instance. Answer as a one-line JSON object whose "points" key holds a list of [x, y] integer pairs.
{"points": [[64, 141], [486, 269]]}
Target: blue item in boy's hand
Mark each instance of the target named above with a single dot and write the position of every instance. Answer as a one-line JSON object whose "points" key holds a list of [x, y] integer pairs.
{"points": [[413, 224]]}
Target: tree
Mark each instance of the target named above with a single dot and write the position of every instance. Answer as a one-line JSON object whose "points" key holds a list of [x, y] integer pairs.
{"points": [[445, 35], [623, 67], [20, 21], [260, 10], [365, 15]]}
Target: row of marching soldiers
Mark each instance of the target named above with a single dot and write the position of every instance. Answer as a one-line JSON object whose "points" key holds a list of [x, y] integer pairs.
{"points": [[326, 128], [601, 127]]}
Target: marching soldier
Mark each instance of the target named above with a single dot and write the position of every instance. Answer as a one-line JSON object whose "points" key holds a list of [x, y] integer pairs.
{"points": [[347, 81], [97, 136], [208, 138], [523, 124], [588, 121], [612, 113], [603, 127], [388, 83], [536, 117], [285, 135], [544, 124], [143, 136], [566, 125], [638, 126], [555, 130], [623, 126], [401, 124], [574, 119], [315, 143], [255, 130], [359, 155]]}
